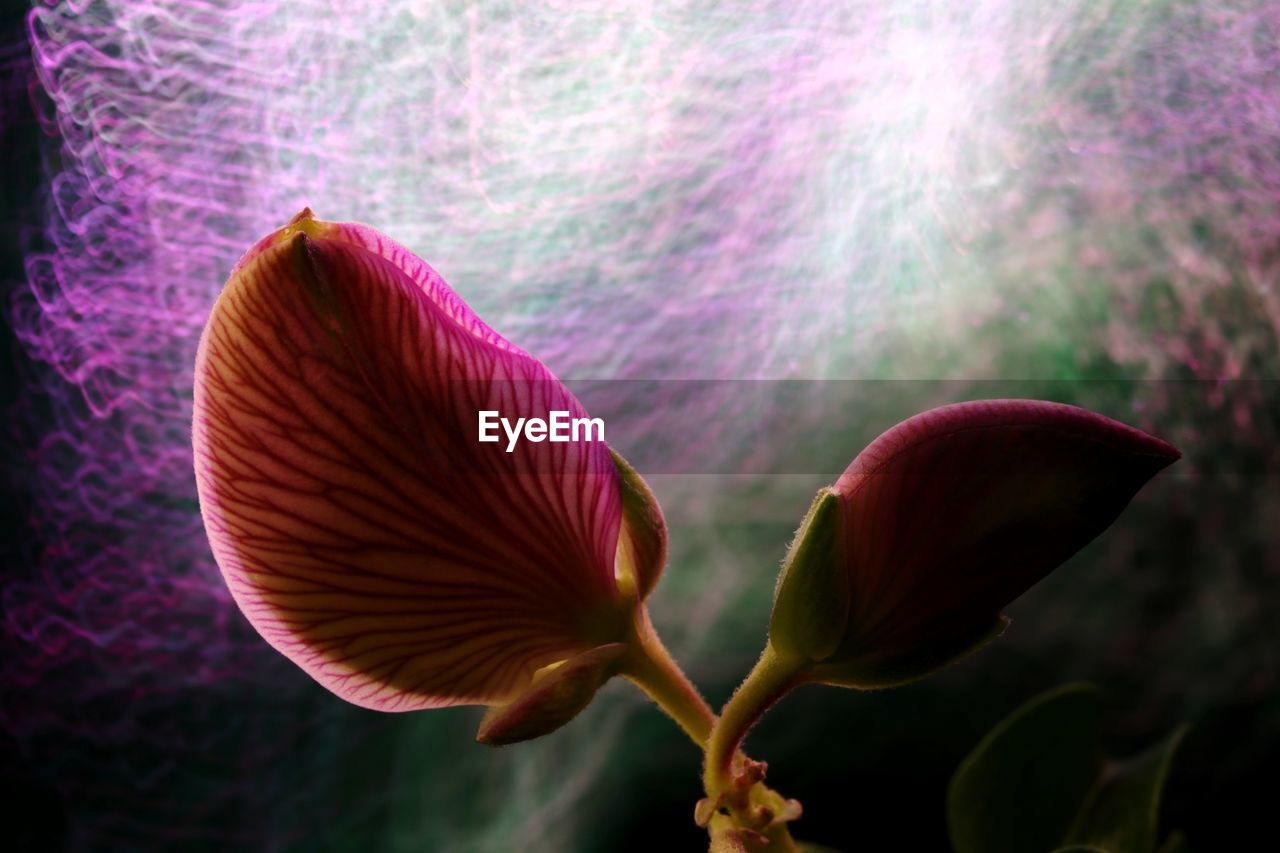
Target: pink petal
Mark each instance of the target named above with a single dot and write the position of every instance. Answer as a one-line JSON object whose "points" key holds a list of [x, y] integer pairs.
{"points": [[360, 525], [951, 515]]}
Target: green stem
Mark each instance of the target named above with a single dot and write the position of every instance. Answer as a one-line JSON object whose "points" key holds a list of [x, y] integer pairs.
{"points": [[650, 667], [772, 677]]}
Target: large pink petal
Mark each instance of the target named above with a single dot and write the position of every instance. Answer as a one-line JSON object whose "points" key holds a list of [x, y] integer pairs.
{"points": [[360, 525], [952, 514]]}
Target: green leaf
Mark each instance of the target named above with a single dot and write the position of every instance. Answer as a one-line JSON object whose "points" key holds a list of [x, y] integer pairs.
{"points": [[1040, 781], [812, 600], [1021, 788], [1124, 811]]}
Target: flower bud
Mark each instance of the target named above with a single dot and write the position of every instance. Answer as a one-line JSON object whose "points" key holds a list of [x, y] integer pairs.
{"points": [[906, 563]]}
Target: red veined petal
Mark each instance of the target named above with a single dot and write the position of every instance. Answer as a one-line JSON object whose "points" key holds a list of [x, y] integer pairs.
{"points": [[360, 526]]}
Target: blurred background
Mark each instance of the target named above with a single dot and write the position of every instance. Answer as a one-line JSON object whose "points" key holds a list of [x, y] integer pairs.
{"points": [[848, 212]]}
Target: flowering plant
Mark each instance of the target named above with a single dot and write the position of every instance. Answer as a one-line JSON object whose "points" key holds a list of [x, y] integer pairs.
{"points": [[369, 538]]}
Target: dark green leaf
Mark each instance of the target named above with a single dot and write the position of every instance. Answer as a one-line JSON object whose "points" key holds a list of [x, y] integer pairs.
{"points": [[1021, 788], [1040, 781], [1124, 812]]}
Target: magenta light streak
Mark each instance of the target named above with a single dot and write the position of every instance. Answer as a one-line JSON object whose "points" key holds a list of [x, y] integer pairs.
{"points": [[141, 229], [127, 618]]}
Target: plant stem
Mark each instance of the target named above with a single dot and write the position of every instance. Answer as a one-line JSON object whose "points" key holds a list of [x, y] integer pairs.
{"points": [[772, 676], [650, 667]]}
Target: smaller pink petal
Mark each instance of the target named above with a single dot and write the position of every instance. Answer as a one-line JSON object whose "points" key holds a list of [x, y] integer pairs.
{"points": [[952, 514]]}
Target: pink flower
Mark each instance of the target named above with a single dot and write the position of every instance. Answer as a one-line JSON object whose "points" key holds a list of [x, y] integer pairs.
{"points": [[905, 564], [908, 560], [361, 526]]}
